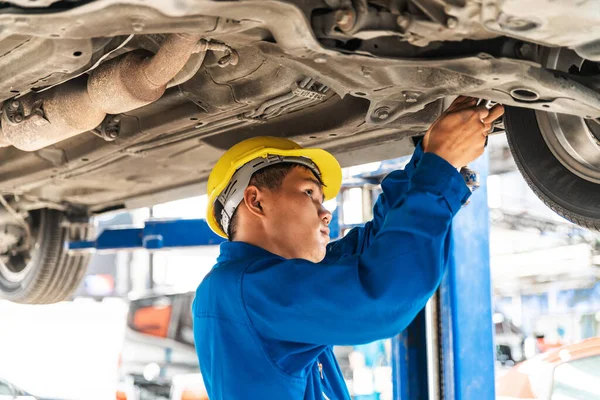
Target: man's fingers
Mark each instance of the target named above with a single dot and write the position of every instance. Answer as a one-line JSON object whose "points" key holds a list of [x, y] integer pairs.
{"points": [[461, 103], [494, 113], [482, 113], [469, 115], [461, 99]]}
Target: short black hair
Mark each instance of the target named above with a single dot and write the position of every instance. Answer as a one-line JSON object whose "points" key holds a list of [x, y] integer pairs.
{"points": [[271, 178]]}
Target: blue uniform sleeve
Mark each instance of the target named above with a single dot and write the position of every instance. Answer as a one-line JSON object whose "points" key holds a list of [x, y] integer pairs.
{"points": [[394, 187], [370, 295]]}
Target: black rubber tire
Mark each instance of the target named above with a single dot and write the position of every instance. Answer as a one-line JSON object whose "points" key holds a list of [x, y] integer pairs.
{"points": [[53, 274], [570, 196]]}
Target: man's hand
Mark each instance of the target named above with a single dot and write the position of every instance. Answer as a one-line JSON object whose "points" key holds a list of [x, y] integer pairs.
{"points": [[459, 134]]}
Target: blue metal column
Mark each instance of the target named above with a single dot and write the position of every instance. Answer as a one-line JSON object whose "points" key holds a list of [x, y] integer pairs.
{"points": [[464, 318], [409, 361], [466, 303]]}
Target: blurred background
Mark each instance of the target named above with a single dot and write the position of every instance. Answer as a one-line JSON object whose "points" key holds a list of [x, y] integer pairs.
{"points": [[127, 333]]}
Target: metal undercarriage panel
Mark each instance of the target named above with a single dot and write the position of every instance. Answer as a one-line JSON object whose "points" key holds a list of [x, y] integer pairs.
{"points": [[361, 93]]}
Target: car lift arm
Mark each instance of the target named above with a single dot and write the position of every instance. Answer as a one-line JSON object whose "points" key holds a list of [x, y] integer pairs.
{"points": [[155, 235]]}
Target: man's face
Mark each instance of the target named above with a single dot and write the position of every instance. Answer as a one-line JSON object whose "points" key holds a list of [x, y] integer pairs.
{"points": [[296, 216]]}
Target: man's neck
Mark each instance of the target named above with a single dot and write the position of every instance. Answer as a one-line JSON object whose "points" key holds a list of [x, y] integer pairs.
{"points": [[262, 240]]}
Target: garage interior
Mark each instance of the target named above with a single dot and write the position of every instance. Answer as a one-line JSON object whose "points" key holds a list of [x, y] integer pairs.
{"points": [[522, 283], [113, 114]]}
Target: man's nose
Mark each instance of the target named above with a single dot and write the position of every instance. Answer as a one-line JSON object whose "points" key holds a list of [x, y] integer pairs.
{"points": [[325, 215]]}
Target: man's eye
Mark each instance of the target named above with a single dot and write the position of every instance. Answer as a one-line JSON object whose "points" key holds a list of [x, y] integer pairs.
{"points": [[309, 192]]}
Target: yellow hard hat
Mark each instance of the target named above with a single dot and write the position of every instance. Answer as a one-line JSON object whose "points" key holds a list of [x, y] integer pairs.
{"points": [[225, 193]]}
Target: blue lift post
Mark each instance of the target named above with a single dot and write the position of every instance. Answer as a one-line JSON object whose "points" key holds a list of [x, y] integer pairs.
{"points": [[447, 352], [454, 332], [466, 302]]}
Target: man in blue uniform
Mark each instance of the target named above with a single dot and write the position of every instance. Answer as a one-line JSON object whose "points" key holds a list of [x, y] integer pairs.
{"points": [[280, 296]]}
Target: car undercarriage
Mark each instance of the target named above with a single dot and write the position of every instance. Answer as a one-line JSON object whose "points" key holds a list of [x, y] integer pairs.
{"points": [[111, 104]]}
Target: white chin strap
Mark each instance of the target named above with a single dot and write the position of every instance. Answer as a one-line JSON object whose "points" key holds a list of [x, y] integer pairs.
{"points": [[233, 194]]}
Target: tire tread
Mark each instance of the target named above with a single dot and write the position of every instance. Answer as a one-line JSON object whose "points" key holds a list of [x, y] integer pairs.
{"points": [[589, 223], [58, 273]]}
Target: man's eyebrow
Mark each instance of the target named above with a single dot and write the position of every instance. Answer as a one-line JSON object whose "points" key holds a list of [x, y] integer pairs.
{"points": [[318, 184]]}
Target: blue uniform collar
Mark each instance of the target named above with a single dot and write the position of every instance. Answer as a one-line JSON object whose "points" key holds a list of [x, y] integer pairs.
{"points": [[232, 251]]}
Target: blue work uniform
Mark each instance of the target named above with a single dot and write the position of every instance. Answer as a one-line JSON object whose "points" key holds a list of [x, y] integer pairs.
{"points": [[264, 326]]}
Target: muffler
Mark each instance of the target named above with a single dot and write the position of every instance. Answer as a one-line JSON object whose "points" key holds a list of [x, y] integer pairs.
{"points": [[117, 86]]}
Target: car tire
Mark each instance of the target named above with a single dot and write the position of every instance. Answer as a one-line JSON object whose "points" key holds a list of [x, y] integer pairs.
{"points": [[50, 273], [569, 195]]}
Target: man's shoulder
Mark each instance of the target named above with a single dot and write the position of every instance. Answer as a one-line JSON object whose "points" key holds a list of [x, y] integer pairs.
{"points": [[218, 295], [222, 273]]}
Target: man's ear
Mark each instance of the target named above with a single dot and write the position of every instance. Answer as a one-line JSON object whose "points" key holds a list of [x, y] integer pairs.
{"points": [[252, 199]]}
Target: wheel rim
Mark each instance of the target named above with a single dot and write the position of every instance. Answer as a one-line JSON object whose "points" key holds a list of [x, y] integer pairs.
{"points": [[17, 270], [574, 141], [16, 264]]}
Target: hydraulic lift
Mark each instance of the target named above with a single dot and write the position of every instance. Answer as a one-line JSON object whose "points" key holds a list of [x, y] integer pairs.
{"points": [[447, 352], [457, 352]]}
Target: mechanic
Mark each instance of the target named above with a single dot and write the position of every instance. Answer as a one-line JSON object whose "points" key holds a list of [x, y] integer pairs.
{"points": [[280, 296]]}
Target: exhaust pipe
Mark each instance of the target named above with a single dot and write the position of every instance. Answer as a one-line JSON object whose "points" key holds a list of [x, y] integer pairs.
{"points": [[133, 80], [120, 85]]}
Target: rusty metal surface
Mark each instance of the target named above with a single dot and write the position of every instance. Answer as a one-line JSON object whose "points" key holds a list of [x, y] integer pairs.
{"points": [[387, 70], [136, 79], [120, 85], [172, 56], [67, 111]]}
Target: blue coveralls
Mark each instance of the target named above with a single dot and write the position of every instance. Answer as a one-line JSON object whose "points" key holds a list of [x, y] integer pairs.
{"points": [[264, 326]]}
